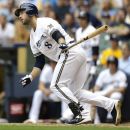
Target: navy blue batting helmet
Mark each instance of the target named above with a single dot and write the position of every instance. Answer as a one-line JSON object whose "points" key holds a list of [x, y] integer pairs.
{"points": [[29, 8], [112, 59], [84, 15]]}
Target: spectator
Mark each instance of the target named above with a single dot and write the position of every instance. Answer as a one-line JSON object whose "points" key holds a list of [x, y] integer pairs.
{"points": [[85, 6], [127, 19], [7, 31], [85, 29], [3, 4], [69, 24], [53, 15], [107, 12], [90, 46], [111, 83], [117, 3], [124, 62], [47, 8], [119, 25], [61, 8], [113, 50], [10, 7], [126, 2]]}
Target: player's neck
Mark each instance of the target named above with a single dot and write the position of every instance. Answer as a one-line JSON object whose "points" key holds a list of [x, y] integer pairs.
{"points": [[113, 71], [34, 23], [84, 27]]}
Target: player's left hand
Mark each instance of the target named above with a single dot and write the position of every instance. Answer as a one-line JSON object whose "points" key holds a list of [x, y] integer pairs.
{"points": [[26, 80], [63, 46]]}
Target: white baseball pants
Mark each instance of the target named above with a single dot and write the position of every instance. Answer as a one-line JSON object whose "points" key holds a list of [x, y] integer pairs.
{"points": [[70, 72]]}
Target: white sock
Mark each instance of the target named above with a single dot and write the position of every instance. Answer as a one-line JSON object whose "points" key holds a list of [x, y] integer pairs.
{"points": [[36, 104]]}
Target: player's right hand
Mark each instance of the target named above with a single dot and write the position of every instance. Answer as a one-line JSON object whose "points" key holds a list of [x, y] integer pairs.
{"points": [[26, 80], [63, 46]]}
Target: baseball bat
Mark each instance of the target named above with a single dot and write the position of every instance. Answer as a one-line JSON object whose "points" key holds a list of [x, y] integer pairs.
{"points": [[91, 35]]}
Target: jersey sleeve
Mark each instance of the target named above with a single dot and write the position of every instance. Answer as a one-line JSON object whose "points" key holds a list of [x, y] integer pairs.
{"points": [[52, 26], [35, 51]]}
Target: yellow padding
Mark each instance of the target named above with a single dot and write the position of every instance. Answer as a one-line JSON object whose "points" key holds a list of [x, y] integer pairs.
{"points": [[22, 59]]}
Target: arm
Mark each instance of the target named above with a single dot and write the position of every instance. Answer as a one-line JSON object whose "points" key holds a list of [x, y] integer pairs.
{"points": [[120, 90], [39, 63], [96, 88], [35, 72], [45, 90], [59, 38]]}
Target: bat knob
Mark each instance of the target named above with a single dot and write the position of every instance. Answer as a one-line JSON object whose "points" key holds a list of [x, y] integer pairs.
{"points": [[106, 27]]}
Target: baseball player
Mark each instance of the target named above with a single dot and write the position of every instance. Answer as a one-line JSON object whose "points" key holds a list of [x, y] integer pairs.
{"points": [[86, 28], [113, 85], [48, 38], [90, 46]]}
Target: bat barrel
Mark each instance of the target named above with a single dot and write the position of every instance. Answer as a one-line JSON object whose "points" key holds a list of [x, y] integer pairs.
{"points": [[98, 31]]}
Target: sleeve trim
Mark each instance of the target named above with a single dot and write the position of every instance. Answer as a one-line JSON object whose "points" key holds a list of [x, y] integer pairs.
{"points": [[37, 54]]}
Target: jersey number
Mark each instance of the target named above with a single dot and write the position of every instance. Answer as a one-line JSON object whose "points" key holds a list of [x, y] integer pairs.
{"points": [[48, 45]]}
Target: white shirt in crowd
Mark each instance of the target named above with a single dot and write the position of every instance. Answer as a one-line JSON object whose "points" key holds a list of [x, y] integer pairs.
{"points": [[105, 79], [41, 40], [124, 65], [46, 74], [6, 33], [88, 43]]}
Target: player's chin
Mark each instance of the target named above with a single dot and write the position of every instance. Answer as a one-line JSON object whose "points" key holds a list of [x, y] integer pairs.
{"points": [[24, 23]]}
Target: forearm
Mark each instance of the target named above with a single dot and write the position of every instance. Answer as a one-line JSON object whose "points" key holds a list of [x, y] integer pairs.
{"points": [[35, 72], [120, 90], [40, 61], [45, 90], [61, 40], [96, 88], [58, 37]]}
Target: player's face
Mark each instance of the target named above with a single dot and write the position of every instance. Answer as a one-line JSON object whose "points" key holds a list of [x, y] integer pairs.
{"points": [[24, 18], [82, 22], [112, 67], [114, 44]]}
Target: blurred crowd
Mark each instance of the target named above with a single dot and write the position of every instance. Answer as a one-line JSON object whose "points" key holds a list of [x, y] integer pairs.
{"points": [[75, 16], [112, 12]]}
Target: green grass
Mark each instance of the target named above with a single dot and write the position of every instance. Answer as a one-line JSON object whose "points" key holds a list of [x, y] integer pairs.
{"points": [[61, 127]]}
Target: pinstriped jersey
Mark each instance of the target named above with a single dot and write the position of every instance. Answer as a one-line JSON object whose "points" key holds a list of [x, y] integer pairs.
{"points": [[41, 40]]}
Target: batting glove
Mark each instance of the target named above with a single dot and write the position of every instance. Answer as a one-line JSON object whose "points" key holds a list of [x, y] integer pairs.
{"points": [[26, 80], [63, 46]]}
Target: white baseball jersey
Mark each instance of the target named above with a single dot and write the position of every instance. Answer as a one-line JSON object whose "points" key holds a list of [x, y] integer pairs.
{"points": [[105, 78], [70, 72], [6, 33], [86, 45], [41, 40]]}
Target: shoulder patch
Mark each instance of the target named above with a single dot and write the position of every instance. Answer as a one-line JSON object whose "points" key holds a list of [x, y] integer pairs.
{"points": [[50, 26]]}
